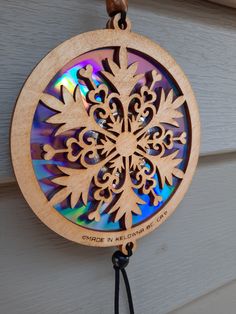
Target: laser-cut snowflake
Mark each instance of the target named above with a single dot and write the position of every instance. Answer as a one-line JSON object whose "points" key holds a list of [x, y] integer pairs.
{"points": [[122, 140]]}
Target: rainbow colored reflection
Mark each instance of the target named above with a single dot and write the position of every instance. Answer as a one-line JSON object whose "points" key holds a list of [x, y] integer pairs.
{"points": [[43, 133]]}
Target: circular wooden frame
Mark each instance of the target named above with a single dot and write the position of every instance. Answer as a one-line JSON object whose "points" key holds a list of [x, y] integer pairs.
{"points": [[23, 118]]}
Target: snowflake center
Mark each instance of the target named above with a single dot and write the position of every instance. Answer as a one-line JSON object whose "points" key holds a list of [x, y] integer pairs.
{"points": [[126, 144]]}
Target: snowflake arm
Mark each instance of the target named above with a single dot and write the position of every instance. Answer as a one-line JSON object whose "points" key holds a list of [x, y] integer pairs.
{"points": [[166, 166], [71, 112], [168, 108]]}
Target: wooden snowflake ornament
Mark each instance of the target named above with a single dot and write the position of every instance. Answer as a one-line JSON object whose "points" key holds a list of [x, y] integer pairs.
{"points": [[106, 129]]}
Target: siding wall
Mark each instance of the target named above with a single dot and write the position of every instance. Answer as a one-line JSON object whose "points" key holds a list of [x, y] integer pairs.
{"points": [[194, 252]]}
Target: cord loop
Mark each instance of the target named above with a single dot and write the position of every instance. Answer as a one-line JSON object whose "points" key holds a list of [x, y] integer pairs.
{"points": [[120, 21]]}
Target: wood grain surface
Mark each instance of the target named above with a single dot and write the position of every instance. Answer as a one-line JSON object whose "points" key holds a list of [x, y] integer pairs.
{"points": [[200, 36]]}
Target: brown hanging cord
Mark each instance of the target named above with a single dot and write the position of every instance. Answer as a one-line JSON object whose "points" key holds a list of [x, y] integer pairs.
{"points": [[116, 6]]}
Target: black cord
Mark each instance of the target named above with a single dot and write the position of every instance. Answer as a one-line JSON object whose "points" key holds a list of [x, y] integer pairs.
{"points": [[117, 290], [128, 290], [122, 21], [120, 261]]}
